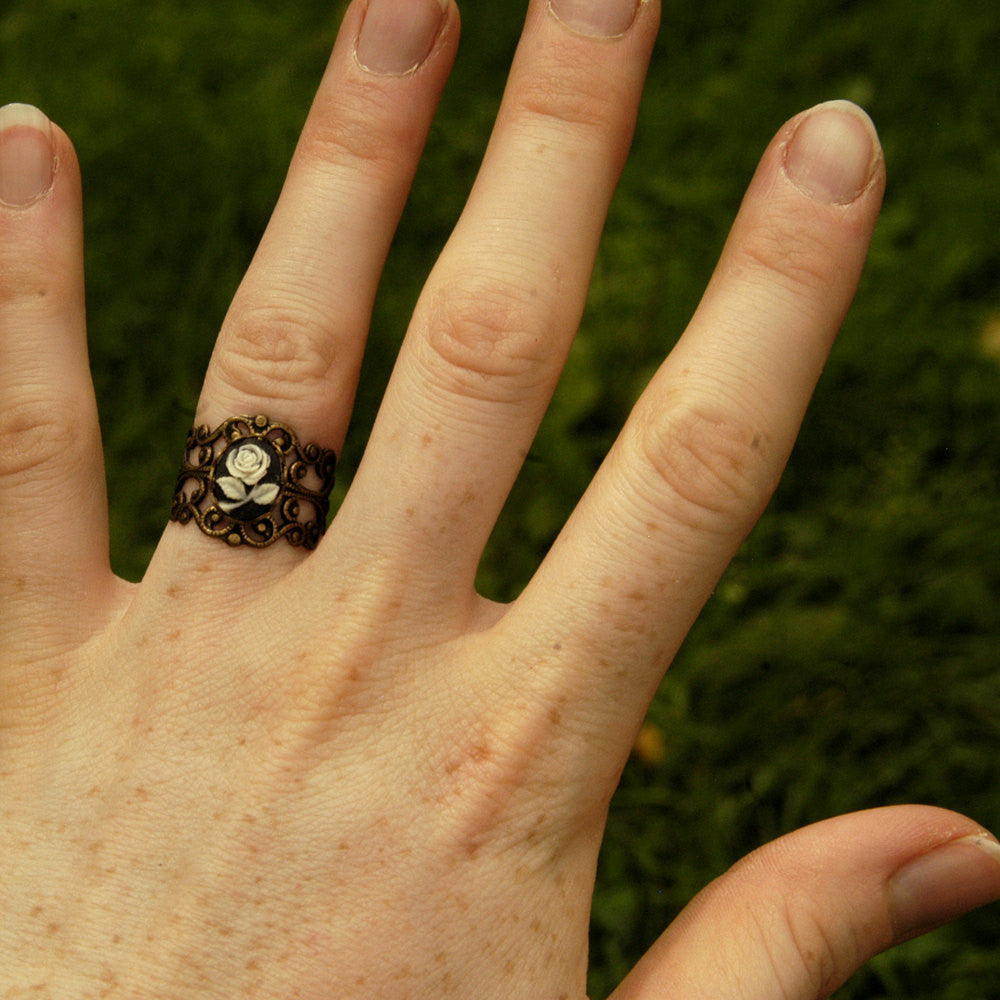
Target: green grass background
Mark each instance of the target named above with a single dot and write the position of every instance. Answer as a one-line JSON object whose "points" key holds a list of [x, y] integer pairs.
{"points": [[848, 657]]}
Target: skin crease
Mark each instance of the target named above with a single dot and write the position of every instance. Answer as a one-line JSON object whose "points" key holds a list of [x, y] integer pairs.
{"points": [[345, 774]]}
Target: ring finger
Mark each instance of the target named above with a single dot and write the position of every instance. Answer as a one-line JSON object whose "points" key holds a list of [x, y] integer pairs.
{"points": [[291, 345]]}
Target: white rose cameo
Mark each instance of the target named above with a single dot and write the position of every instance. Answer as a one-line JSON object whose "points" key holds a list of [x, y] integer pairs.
{"points": [[247, 479]]}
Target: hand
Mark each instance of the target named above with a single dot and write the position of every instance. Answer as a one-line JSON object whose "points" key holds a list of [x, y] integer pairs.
{"points": [[344, 774]]}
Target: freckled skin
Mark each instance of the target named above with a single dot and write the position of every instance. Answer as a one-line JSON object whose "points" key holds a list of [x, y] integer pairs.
{"points": [[345, 774]]}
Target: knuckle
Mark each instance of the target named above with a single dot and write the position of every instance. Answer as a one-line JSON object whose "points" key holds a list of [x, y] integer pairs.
{"points": [[276, 353], [566, 96], [20, 285], [488, 340], [358, 133], [800, 258], [702, 465], [487, 785], [36, 434], [818, 956], [28, 282]]}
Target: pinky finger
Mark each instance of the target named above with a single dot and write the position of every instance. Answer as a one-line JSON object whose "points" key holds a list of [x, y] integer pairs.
{"points": [[54, 552]]}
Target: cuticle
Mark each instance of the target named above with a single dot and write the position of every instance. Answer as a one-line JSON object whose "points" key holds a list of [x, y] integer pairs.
{"points": [[640, 4], [445, 6]]}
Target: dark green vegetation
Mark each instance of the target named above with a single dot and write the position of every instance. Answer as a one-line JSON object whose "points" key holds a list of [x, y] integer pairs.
{"points": [[848, 658]]}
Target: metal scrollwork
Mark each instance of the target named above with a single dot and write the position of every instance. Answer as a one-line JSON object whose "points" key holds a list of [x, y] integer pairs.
{"points": [[250, 482]]}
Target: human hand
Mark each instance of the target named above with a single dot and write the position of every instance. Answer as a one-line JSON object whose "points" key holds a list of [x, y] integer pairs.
{"points": [[345, 774]]}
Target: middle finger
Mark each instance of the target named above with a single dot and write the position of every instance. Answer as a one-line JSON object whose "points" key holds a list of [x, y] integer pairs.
{"points": [[495, 321]]}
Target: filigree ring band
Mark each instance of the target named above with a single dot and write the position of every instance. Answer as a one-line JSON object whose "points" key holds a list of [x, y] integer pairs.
{"points": [[250, 482]]}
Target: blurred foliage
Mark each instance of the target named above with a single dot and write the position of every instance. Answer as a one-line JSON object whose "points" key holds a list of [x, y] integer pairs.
{"points": [[848, 657]]}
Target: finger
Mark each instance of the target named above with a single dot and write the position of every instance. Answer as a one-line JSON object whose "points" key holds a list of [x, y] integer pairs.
{"points": [[704, 447], [798, 917], [292, 342], [54, 554], [496, 318], [293, 339]]}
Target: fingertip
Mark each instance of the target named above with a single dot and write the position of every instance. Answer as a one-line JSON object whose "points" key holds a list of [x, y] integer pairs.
{"points": [[834, 154], [27, 156], [396, 37], [35, 155], [944, 883]]}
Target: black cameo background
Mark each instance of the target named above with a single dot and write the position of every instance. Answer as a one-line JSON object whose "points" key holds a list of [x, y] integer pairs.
{"points": [[252, 496]]}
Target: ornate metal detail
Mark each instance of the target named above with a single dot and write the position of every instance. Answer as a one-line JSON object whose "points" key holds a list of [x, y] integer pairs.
{"points": [[250, 482]]}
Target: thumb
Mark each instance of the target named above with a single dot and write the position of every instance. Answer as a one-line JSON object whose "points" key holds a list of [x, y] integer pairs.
{"points": [[796, 918]]}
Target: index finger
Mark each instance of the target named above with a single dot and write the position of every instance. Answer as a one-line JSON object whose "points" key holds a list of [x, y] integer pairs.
{"points": [[706, 444]]}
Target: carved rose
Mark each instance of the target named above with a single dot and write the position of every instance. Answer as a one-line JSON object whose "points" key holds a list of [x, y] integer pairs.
{"points": [[247, 466], [248, 463]]}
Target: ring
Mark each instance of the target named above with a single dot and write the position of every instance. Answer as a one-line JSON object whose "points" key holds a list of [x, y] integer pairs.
{"points": [[250, 482]]}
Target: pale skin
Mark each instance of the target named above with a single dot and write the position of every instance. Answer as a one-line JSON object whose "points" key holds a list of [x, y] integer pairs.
{"points": [[401, 793]]}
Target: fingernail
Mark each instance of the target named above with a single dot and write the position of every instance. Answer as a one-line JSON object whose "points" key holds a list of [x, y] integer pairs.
{"points": [[398, 35], [26, 155], [943, 884], [833, 153], [596, 18]]}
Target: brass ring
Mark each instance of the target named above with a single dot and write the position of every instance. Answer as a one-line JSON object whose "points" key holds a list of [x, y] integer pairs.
{"points": [[250, 482]]}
